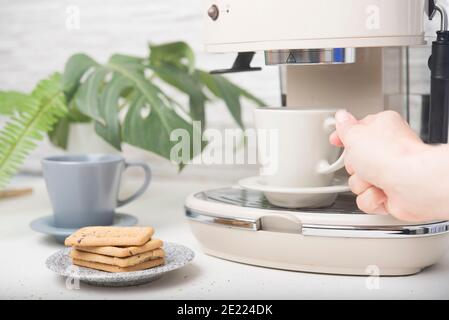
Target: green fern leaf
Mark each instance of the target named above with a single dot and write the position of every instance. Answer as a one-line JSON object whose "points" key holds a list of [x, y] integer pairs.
{"points": [[24, 129], [12, 101]]}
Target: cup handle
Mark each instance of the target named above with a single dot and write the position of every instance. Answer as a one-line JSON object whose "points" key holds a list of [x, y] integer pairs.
{"points": [[145, 185], [324, 167]]}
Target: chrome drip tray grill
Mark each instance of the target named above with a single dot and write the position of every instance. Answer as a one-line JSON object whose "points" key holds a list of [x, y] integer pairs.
{"points": [[345, 203]]}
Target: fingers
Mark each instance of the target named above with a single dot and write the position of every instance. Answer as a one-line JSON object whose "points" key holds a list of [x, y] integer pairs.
{"points": [[381, 210], [372, 201], [349, 168], [334, 139], [357, 185], [345, 121]]}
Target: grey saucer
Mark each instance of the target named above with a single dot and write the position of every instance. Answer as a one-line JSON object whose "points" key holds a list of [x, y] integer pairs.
{"points": [[176, 257], [46, 225]]}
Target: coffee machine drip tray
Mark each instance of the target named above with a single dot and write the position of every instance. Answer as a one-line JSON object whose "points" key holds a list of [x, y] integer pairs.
{"points": [[240, 225], [256, 200]]}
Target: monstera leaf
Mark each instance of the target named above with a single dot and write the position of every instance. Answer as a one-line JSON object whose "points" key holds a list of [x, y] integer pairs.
{"points": [[124, 98], [121, 84]]}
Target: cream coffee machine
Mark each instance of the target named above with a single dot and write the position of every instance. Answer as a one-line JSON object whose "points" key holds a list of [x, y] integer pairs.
{"points": [[352, 54]]}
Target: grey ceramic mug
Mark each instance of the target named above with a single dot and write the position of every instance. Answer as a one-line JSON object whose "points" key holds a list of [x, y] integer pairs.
{"points": [[84, 189]]}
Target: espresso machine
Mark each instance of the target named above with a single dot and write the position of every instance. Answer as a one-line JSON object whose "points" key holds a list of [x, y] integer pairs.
{"points": [[351, 54]]}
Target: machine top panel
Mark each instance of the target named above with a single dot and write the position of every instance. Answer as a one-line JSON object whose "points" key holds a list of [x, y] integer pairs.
{"points": [[236, 25]]}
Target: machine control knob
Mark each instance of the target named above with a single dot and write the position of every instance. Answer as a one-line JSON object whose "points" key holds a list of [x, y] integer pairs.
{"points": [[213, 12]]}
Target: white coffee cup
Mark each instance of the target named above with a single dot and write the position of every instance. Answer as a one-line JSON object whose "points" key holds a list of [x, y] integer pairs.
{"points": [[294, 148]]}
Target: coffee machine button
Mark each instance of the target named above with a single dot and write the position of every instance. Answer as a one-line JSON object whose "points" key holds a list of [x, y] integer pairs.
{"points": [[213, 12]]}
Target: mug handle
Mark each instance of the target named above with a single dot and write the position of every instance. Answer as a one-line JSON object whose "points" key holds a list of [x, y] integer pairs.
{"points": [[145, 185], [324, 167]]}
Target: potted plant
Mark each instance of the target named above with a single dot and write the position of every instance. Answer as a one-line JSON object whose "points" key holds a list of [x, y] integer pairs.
{"points": [[122, 99]]}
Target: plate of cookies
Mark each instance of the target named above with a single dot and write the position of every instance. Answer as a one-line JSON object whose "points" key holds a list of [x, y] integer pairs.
{"points": [[117, 256]]}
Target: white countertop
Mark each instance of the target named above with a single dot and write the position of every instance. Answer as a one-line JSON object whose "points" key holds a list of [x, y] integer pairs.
{"points": [[23, 273]]}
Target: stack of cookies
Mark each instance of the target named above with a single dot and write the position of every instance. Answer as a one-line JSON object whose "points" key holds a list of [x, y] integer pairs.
{"points": [[116, 249]]}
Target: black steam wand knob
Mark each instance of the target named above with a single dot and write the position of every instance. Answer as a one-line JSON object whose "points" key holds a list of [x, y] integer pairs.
{"points": [[439, 67]]}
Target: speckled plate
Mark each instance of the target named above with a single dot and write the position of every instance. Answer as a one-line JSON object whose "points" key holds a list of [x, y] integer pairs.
{"points": [[176, 257]]}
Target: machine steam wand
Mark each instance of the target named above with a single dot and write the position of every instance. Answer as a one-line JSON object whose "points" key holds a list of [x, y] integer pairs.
{"points": [[439, 67]]}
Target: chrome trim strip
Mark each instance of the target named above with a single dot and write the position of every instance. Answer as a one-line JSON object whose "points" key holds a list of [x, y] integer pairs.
{"points": [[381, 232], [234, 222], [384, 232], [310, 56]]}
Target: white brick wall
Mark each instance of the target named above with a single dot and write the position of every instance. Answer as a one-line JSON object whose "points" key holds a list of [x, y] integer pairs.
{"points": [[34, 40]]}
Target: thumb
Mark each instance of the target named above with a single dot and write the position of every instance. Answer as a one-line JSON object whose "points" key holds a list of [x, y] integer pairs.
{"points": [[345, 121]]}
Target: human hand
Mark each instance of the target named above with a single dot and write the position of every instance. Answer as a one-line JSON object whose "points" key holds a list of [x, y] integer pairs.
{"points": [[385, 159]]}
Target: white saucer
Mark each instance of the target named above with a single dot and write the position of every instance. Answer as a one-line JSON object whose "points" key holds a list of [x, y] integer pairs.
{"points": [[46, 225], [296, 198]]}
